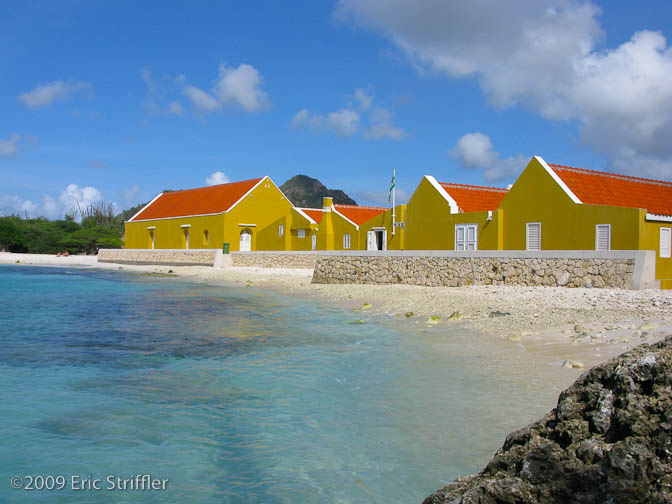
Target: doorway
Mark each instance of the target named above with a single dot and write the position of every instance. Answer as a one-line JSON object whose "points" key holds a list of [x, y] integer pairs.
{"points": [[376, 239], [245, 240]]}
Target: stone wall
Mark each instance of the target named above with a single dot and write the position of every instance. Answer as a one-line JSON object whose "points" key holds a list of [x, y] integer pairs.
{"points": [[172, 257], [294, 260], [489, 269]]}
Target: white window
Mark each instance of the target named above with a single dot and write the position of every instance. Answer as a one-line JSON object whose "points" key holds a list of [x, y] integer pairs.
{"points": [[603, 237], [466, 236], [346, 241], [301, 233], [533, 236], [665, 241], [281, 230]]}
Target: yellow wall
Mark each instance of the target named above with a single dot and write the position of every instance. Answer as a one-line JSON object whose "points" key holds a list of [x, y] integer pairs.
{"points": [[169, 235], [565, 225], [265, 206], [394, 242], [649, 239], [431, 226], [341, 227], [300, 222]]}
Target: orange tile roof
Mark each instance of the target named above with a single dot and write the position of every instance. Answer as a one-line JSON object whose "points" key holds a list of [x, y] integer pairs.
{"points": [[471, 198], [313, 213], [198, 201], [359, 214], [601, 188]]}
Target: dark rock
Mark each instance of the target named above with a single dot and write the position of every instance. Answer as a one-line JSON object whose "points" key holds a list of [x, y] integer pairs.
{"points": [[609, 440], [494, 314], [304, 191]]}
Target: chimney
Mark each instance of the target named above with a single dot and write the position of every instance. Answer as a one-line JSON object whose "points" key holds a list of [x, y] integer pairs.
{"points": [[327, 203]]}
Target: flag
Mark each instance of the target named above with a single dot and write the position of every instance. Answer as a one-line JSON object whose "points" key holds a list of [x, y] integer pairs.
{"points": [[392, 184]]}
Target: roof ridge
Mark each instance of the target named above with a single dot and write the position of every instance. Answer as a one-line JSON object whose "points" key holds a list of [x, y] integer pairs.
{"points": [[361, 207], [257, 179], [619, 176], [470, 186]]}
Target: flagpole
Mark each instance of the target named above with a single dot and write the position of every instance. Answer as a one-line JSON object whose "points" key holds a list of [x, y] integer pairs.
{"points": [[394, 194]]}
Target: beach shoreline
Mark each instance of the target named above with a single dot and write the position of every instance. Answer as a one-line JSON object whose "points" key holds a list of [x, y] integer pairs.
{"points": [[568, 329]]}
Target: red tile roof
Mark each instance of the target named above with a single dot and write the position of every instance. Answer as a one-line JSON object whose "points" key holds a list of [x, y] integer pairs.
{"points": [[601, 188], [313, 213], [471, 198], [359, 214], [199, 201]]}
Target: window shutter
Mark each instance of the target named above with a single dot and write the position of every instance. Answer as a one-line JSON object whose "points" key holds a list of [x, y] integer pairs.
{"points": [[533, 236], [602, 237], [665, 242]]}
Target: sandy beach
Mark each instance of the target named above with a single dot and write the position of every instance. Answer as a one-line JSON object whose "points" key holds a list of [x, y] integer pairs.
{"points": [[572, 329]]}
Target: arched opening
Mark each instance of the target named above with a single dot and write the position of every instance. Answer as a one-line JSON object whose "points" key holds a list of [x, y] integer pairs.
{"points": [[245, 240], [206, 237], [151, 240], [186, 238]]}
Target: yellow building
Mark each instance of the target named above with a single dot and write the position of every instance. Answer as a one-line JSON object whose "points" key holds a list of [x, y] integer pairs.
{"points": [[384, 231], [248, 215], [338, 226], [446, 216], [555, 207]]}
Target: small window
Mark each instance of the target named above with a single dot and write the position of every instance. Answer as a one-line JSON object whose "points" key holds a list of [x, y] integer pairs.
{"points": [[302, 233], [281, 230], [603, 237], [346, 241], [665, 242], [206, 237], [533, 236]]}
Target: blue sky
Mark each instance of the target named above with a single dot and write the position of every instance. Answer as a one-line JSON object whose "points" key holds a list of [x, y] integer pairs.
{"points": [[118, 100]]}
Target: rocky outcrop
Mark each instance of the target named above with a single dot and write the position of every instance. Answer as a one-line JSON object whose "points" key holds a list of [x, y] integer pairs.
{"points": [[607, 441]]}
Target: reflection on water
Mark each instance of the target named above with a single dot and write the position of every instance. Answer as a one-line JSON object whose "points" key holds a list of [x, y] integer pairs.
{"points": [[238, 395]]}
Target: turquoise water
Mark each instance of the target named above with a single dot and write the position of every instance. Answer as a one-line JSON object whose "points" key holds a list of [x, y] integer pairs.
{"points": [[237, 395]]}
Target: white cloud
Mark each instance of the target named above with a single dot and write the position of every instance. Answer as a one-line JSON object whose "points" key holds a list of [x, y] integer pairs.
{"points": [[381, 126], [10, 146], [46, 94], [72, 199], [364, 98], [241, 86], [175, 108], [203, 101], [474, 151], [347, 121], [543, 55], [344, 122], [218, 177]]}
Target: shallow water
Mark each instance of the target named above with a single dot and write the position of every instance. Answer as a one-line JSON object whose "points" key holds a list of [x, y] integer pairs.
{"points": [[240, 395]]}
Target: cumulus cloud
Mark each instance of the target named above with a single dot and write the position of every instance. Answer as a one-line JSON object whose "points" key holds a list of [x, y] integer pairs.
{"points": [[46, 94], [344, 122], [381, 126], [10, 146], [239, 87], [376, 121], [218, 177], [543, 55], [203, 101], [71, 200], [474, 151]]}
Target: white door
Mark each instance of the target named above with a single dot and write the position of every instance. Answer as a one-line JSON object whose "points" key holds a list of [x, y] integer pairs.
{"points": [[371, 241], [245, 240], [314, 241], [466, 236]]}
